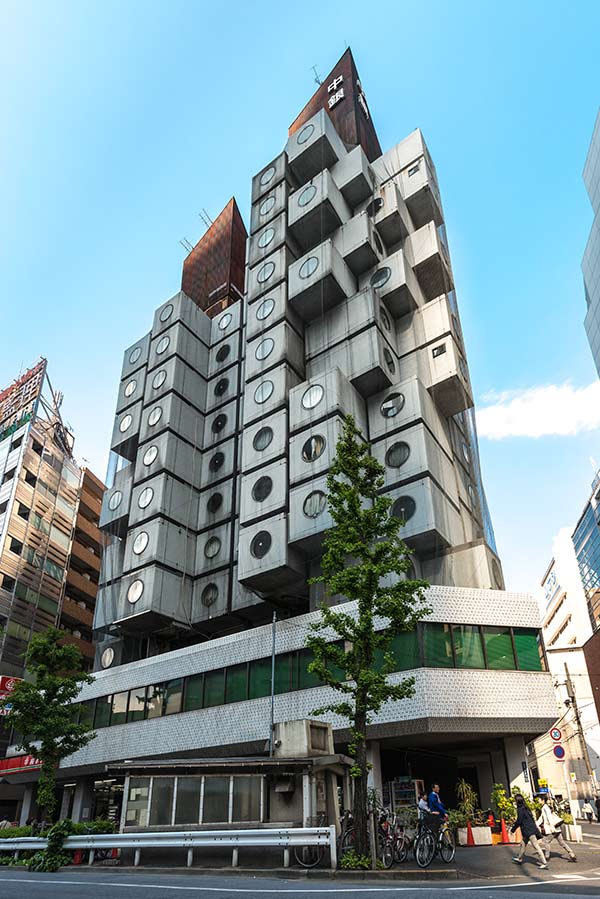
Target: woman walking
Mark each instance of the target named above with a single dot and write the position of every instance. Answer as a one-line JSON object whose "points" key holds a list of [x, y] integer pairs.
{"points": [[529, 834], [552, 824]]}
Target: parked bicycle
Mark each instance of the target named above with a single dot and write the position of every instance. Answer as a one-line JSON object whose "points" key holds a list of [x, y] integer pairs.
{"points": [[310, 856], [432, 840]]}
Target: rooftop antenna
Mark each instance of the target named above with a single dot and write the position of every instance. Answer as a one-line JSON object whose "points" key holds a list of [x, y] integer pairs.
{"points": [[205, 218], [317, 79], [186, 244], [207, 215]]}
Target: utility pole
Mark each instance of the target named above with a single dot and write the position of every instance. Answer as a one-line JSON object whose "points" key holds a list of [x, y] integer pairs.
{"points": [[580, 732], [272, 727]]}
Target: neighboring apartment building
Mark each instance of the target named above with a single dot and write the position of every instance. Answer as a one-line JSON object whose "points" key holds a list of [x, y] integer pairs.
{"points": [[586, 540], [228, 414], [591, 258]]}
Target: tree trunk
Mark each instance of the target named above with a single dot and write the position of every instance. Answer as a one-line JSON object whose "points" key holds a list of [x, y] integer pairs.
{"points": [[359, 806]]}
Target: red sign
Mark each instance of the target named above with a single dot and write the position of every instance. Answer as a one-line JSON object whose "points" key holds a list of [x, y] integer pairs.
{"points": [[7, 684], [556, 734], [18, 763]]}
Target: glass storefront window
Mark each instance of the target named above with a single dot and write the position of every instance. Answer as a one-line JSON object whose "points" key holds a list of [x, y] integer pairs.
{"points": [[236, 688], [246, 798], [437, 645], [467, 646], [285, 672], [119, 708], [528, 649], [498, 648], [214, 688], [137, 802], [193, 693], [161, 807], [187, 802], [216, 800], [173, 691]]}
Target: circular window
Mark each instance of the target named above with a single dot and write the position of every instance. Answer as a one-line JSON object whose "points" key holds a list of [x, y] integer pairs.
{"points": [[135, 355], [261, 544], [313, 448], [305, 134], [267, 176], [381, 276], [159, 379], [263, 392], [209, 595], [115, 500], [266, 237], [466, 453], [397, 455], [262, 439], [135, 591], [108, 657], [374, 206], [392, 405], [313, 396], [262, 489], [162, 345], [130, 387], [212, 547], [140, 543], [389, 361], [167, 312], [264, 348], [385, 320], [155, 416], [265, 272], [125, 423], [214, 503], [309, 267], [264, 310], [307, 195], [219, 423], [145, 497], [225, 321], [150, 455], [221, 386], [266, 206], [223, 352], [404, 508], [314, 504], [216, 461]]}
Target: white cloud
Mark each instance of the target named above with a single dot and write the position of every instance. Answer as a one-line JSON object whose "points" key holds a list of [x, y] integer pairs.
{"points": [[554, 409]]}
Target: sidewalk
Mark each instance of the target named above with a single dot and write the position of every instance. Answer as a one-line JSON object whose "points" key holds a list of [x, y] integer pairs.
{"points": [[495, 861]]}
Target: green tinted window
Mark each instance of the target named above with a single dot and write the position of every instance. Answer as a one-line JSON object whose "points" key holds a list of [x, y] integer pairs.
{"points": [[285, 672], [237, 683], [47, 604], [498, 648], [119, 708], [305, 677], [527, 646], [137, 704], [260, 678], [437, 646], [102, 714], [405, 649], [214, 688], [193, 693], [467, 646], [86, 714], [173, 691]]}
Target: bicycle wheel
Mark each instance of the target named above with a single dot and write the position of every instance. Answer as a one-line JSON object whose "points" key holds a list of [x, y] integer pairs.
{"points": [[447, 846], [401, 850], [309, 856], [425, 849], [386, 851], [346, 842]]}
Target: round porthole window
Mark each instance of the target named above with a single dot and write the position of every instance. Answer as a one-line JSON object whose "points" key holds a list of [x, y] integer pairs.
{"points": [[404, 508], [314, 504], [155, 416], [159, 379], [266, 206], [212, 547], [264, 310], [125, 423], [130, 387], [374, 206], [313, 448], [115, 500], [166, 313], [216, 462], [140, 543], [267, 176], [263, 392], [209, 595], [150, 455], [309, 267], [219, 423], [162, 345], [108, 657], [307, 195], [214, 503], [225, 321], [135, 355], [264, 348], [223, 352], [313, 396], [397, 455], [466, 453], [392, 405], [265, 272], [385, 320], [266, 237], [136, 588], [389, 361], [262, 489], [381, 276], [305, 134], [145, 497], [261, 544], [221, 386], [262, 439]]}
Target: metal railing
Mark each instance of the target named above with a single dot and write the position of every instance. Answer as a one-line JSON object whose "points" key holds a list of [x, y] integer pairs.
{"points": [[285, 838]]}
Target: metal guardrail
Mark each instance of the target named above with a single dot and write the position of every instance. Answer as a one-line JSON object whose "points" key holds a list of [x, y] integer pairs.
{"points": [[284, 838]]}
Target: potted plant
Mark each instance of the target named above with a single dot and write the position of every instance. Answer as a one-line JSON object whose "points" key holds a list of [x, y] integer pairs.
{"points": [[573, 832], [467, 806], [505, 807]]}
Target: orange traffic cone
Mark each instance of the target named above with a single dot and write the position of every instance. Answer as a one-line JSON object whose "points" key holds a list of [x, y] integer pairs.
{"points": [[505, 836], [470, 838]]}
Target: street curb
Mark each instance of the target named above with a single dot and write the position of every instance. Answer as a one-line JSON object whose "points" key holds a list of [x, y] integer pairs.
{"points": [[284, 873]]}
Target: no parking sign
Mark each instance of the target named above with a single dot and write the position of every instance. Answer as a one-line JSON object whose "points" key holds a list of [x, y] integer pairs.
{"points": [[559, 753]]}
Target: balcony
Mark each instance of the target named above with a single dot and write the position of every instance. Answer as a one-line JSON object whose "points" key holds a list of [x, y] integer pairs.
{"points": [[90, 505], [86, 532], [75, 614], [80, 586], [83, 559], [431, 261], [86, 648]]}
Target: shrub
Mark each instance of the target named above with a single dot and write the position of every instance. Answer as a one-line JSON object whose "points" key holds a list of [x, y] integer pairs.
{"points": [[350, 860]]}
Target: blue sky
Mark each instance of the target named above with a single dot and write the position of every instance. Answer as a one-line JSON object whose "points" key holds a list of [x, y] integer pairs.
{"points": [[121, 121]]}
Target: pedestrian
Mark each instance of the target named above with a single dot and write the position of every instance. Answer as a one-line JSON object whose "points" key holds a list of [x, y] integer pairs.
{"points": [[529, 834], [597, 803], [587, 809], [423, 808], [551, 825], [4, 823], [437, 810]]}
